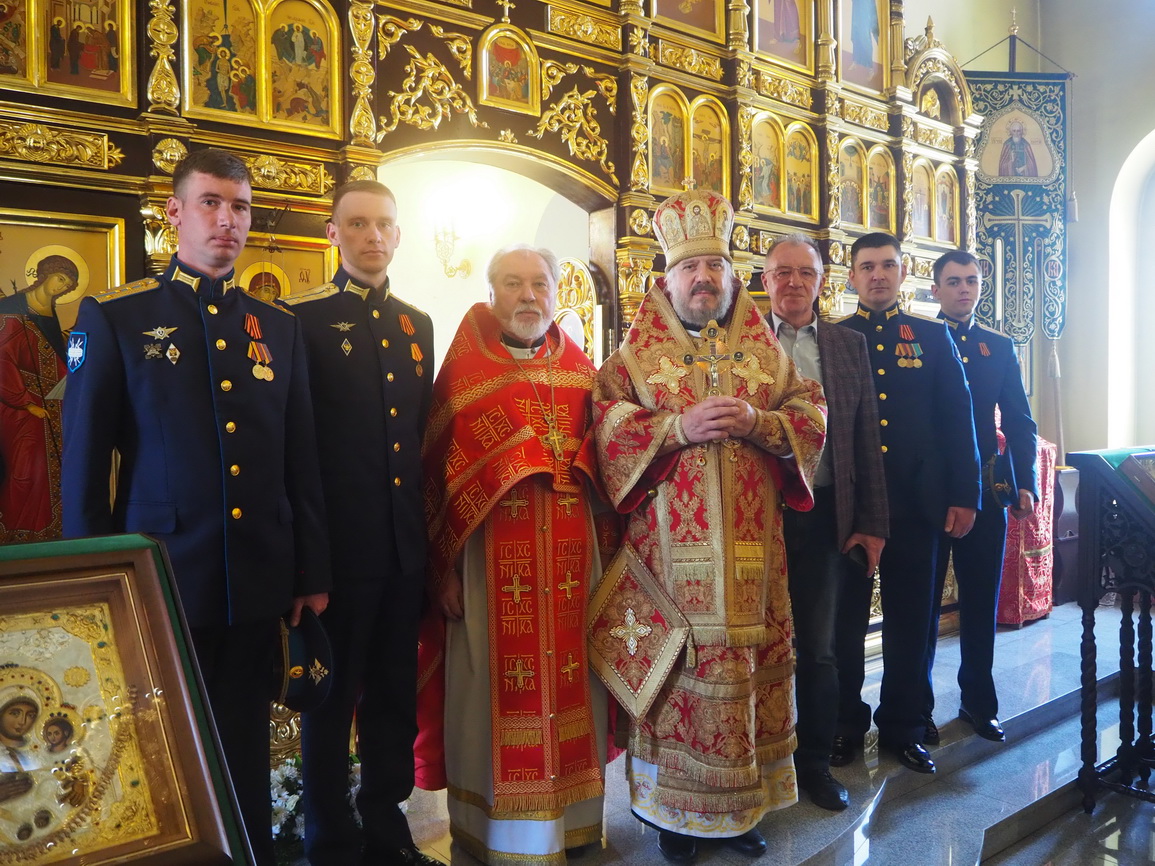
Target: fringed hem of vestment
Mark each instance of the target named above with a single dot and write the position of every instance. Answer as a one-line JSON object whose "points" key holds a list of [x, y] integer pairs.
{"points": [[689, 767], [477, 848], [529, 807]]}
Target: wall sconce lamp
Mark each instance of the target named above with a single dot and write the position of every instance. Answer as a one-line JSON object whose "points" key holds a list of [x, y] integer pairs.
{"points": [[444, 242]]}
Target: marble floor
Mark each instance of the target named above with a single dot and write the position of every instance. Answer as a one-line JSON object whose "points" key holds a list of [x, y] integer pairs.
{"points": [[968, 813]]}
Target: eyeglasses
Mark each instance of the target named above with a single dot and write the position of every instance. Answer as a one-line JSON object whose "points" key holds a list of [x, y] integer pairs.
{"points": [[807, 275]]}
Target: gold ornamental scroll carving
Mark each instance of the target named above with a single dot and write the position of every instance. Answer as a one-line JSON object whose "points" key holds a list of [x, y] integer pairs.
{"points": [[746, 116], [35, 142], [834, 211], [159, 235], [459, 46], [168, 153], [552, 73], [576, 295], [907, 192], [640, 132], [585, 28], [640, 41], [689, 60], [633, 282], [362, 126], [390, 30], [575, 117], [640, 222], [284, 734], [865, 115], [163, 91], [932, 137], [783, 90], [269, 172], [738, 36], [428, 95]]}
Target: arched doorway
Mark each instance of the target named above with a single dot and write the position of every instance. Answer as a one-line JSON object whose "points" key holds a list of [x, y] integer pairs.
{"points": [[455, 213]]}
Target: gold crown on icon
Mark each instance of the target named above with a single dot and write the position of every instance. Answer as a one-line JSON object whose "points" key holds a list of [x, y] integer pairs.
{"points": [[697, 222]]}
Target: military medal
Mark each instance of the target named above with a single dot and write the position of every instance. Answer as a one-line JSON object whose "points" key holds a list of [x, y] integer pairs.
{"points": [[909, 354], [173, 353], [160, 332], [152, 350], [984, 350], [406, 324], [418, 356], [258, 351]]}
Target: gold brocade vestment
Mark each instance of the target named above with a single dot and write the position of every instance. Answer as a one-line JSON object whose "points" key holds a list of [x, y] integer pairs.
{"points": [[704, 520]]}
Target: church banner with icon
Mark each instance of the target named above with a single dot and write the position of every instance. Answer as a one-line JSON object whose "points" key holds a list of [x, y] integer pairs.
{"points": [[1022, 199]]}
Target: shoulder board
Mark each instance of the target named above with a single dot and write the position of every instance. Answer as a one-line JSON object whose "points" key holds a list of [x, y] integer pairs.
{"points": [[843, 319], [128, 289], [410, 306], [933, 319], [272, 304], [325, 291], [993, 331]]}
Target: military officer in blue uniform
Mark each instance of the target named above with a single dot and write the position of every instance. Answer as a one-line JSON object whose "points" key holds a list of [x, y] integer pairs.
{"points": [[993, 373], [204, 393], [371, 364], [932, 479]]}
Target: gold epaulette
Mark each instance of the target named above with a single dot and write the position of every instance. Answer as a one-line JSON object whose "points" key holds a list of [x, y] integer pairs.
{"points": [[934, 319], [272, 304], [322, 291], [988, 328], [133, 288], [843, 319], [413, 308]]}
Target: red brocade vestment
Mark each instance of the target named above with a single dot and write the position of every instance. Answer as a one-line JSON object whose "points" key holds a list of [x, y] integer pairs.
{"points": [[491, 466], [705, 521]]}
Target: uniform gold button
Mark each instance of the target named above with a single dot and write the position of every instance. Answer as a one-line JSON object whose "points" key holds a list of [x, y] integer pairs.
{"points": [[878, 327], [881, 396], [963, 338], [883, 449], [237, 514], [549, 652], [396, 482], [393, 412], [396, 446], [235, 469], [881, 372], [230, 427], [388, 377], [879, 347], [883, 422], [226, 385], [385, 344], [221, 344], [212, 308], [966, 360], [376, 314]]}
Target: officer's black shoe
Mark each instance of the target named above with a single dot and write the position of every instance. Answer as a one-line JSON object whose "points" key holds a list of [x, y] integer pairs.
{"points": [[676, 847], [911, 755], [408, 856], [988, 729], [844, 750], [749, 843], [825, 791], [931, 737], [578, 851]]}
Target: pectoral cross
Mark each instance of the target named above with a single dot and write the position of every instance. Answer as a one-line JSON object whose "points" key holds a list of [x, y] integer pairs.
{"points": [[554, 439], [715, 338]]}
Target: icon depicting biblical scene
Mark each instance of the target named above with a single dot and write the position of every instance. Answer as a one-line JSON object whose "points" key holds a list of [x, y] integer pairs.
{"points": [[850, 185], [701, 16], [766, 170], [946, 208], [920, 202], [1015, 150], [879, 195], [295, 264], [800, 170], [708, 149], [14, 39], [667, 141], [71, 773], [509, 71], [300, 63], [784, 30], [41, 285], [224, 57], [864, 41]]}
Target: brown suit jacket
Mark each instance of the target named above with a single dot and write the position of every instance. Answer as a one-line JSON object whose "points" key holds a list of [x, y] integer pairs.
{"points": [[852, 433]]}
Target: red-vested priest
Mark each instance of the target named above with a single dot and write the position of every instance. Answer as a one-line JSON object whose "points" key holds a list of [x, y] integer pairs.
{"points": [[509, 489], [704, 428]]}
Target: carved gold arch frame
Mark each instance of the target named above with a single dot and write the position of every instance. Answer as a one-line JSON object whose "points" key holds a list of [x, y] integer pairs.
{"points": [[852, 190], [489, 72], [882, 154], [945, 176], [922, 168], [576, 296], [264, 22], [777, 147], [673, 100], [704, 175]]}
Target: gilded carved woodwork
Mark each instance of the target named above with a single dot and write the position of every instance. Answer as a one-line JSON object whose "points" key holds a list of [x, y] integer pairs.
{"points": [[783, 90], [607, 86], [738, 31], [362, 126], [640, 132], [552, 73], [746, 116], [634, 272], [269, 172], [160, 237], [284, 734], [428, 95], [689, 60], [830, 300], [390, 30], [834, 210], [49, 145], [932, 137], [585, 28], [168, 153], [639, 38], [741, 239], [459, 46], [362, 172], [640, 222], [163, 91], [745, 75], [907, 192], [507, 136], [865, 115], [575, 117]]}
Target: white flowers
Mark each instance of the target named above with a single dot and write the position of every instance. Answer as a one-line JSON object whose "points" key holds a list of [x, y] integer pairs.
{"points": [[286, 789]]}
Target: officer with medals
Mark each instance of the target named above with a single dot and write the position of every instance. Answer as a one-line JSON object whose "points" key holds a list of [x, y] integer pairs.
{"points": [[932, 479], [204, 393], [995, 380], [371, 364]]}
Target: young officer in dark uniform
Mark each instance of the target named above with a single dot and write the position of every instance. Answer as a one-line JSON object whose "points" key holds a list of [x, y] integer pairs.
{"points": [[932, 480], [371, 360], [204, 392], [993, 373]]}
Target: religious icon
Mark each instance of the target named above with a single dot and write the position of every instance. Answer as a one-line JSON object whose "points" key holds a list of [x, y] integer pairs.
{"points": [[850, 184], [864, 44], [14, 38], [702, 17], [1015, 149], [920, 204], [708, 149], [879, 192], [766, 169], [667, 140], [509, 72], [224, 57], [944, 207], [299, 64], [800, 171]]}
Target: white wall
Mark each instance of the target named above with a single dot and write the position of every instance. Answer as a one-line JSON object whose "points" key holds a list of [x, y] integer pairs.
{"points": [[969, 28], [488, 208]]}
